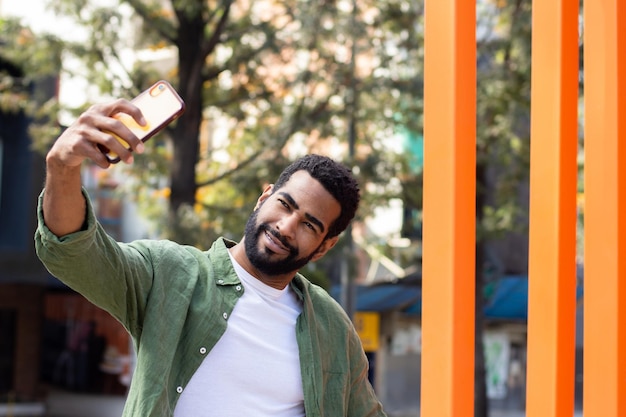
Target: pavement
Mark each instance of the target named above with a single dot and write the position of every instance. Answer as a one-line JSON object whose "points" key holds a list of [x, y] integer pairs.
{"points": [[498, 413], [492, 413], [66, 404]]}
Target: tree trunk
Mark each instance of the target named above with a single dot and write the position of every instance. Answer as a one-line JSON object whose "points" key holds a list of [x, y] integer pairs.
{"points": [[481, 404], [185, 140]]}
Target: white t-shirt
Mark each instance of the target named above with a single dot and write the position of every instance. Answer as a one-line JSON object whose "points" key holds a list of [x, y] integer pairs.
{"points": [[254, 369]]}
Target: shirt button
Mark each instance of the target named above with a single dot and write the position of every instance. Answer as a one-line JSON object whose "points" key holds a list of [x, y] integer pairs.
{"points": [[238, 287], [179, 390], [202, 350], [225, 315], [220, 281]]}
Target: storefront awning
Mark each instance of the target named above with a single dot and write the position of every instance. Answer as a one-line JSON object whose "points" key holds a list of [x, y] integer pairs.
{"points": [[506, 298]]}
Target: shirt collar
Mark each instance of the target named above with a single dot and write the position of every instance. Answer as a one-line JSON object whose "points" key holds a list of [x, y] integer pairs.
{"points": [[224, 268]]}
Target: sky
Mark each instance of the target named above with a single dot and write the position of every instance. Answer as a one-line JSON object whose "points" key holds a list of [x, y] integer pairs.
{"points": [[73, 91], [36, 15]]}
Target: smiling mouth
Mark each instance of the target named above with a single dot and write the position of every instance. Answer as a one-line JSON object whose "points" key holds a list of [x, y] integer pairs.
{"points": [[275, 245]]}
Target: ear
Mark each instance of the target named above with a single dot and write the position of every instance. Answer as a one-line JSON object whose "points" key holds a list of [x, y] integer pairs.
{"points": [[267, 191], [324, 247]]}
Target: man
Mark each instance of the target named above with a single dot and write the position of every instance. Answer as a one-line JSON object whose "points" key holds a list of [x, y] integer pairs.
{"points": [[233, 331]]}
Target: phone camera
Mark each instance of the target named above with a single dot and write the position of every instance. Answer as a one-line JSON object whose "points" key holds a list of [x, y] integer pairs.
{"points": [[157, 89]]}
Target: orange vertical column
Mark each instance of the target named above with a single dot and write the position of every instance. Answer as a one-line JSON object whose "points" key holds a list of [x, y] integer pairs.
{"points": [[553, 176], [449, 209], [605, 209]]}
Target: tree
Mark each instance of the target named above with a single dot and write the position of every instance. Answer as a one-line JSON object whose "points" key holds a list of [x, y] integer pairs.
{"points": [[269, 73], [503, 136], [503, 148], [26, 60]]}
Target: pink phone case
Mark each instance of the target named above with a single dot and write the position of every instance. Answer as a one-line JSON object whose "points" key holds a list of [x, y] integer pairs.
{"points": [[160, 105]]}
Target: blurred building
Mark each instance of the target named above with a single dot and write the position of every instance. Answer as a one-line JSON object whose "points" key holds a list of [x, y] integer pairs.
{"points": [[22, 278], [50, 336]]}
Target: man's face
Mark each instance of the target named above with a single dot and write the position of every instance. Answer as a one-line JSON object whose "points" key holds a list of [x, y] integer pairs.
{"points": [[288, 228], [261, 259]]}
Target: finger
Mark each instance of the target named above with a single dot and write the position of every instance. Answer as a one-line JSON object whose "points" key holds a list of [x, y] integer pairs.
{"points": [[99, 126], [114, 145], [134, 127], [120, 106], [125, 121], [108, 132], [94, 127], [73, 152], [98, 157], [128, 113], [125, 106]]}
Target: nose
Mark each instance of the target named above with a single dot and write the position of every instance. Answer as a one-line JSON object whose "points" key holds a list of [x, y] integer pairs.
{"points": [[287, 225]]}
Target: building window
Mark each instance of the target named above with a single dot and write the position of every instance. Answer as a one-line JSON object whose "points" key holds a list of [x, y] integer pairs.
{"points": [[1, 164], [8, 329], [16, 172]]}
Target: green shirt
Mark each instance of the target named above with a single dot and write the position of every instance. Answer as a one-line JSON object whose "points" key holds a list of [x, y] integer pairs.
{"points": [[175, 301]]}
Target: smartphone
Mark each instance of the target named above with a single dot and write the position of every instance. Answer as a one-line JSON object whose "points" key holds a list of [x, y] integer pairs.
{"points": [[160, 105]]}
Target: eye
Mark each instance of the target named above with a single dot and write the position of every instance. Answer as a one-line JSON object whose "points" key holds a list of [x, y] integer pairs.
{"points": [[284, 203], [310, 226]]}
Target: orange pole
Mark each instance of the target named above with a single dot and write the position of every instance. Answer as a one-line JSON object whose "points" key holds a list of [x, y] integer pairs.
{"points": [[552, 235], [605, 209], [449, 209]]}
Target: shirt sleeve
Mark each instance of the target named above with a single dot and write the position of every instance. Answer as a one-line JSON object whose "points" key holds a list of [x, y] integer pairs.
{"points": [[363, 401], [44, 236], [114, 276]]}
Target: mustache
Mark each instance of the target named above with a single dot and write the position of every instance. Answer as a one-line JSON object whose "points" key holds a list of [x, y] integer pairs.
{"points": [[276, 234]]}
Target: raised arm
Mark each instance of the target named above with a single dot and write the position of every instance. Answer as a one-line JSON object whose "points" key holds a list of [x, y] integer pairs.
{"points": [[63, 203]]}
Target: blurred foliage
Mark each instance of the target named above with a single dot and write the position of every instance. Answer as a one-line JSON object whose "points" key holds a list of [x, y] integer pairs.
{"points": [[268, 81], [264, 82], [27, 61], [503, 115]]}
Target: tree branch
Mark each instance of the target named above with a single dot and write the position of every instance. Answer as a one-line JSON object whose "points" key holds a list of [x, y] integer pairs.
{"points": [[230, 172], [160, 24], [212, 42]]}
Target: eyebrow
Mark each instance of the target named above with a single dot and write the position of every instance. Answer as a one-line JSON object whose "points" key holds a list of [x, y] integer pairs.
{"points": [[309, 216]]}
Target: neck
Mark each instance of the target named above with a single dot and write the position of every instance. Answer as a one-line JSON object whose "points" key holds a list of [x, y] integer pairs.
{"points": [[275, 281]]}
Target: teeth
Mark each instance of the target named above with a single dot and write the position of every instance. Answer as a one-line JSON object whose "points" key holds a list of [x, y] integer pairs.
{"points": [[276, 242]]}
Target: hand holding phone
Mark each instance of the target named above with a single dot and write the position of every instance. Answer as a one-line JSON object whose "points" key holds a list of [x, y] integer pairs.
{"points": [[160, 105]]}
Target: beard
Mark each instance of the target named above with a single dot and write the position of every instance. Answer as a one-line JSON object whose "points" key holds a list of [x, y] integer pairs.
{"points": [[261, 259]]}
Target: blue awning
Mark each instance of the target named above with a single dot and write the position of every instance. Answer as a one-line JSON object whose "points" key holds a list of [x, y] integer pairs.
{"points": [[509, 298], [506, 298], [383, 297]]}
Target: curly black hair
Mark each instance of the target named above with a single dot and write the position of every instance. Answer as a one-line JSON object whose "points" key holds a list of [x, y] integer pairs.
{"points": [[336, 178]]}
